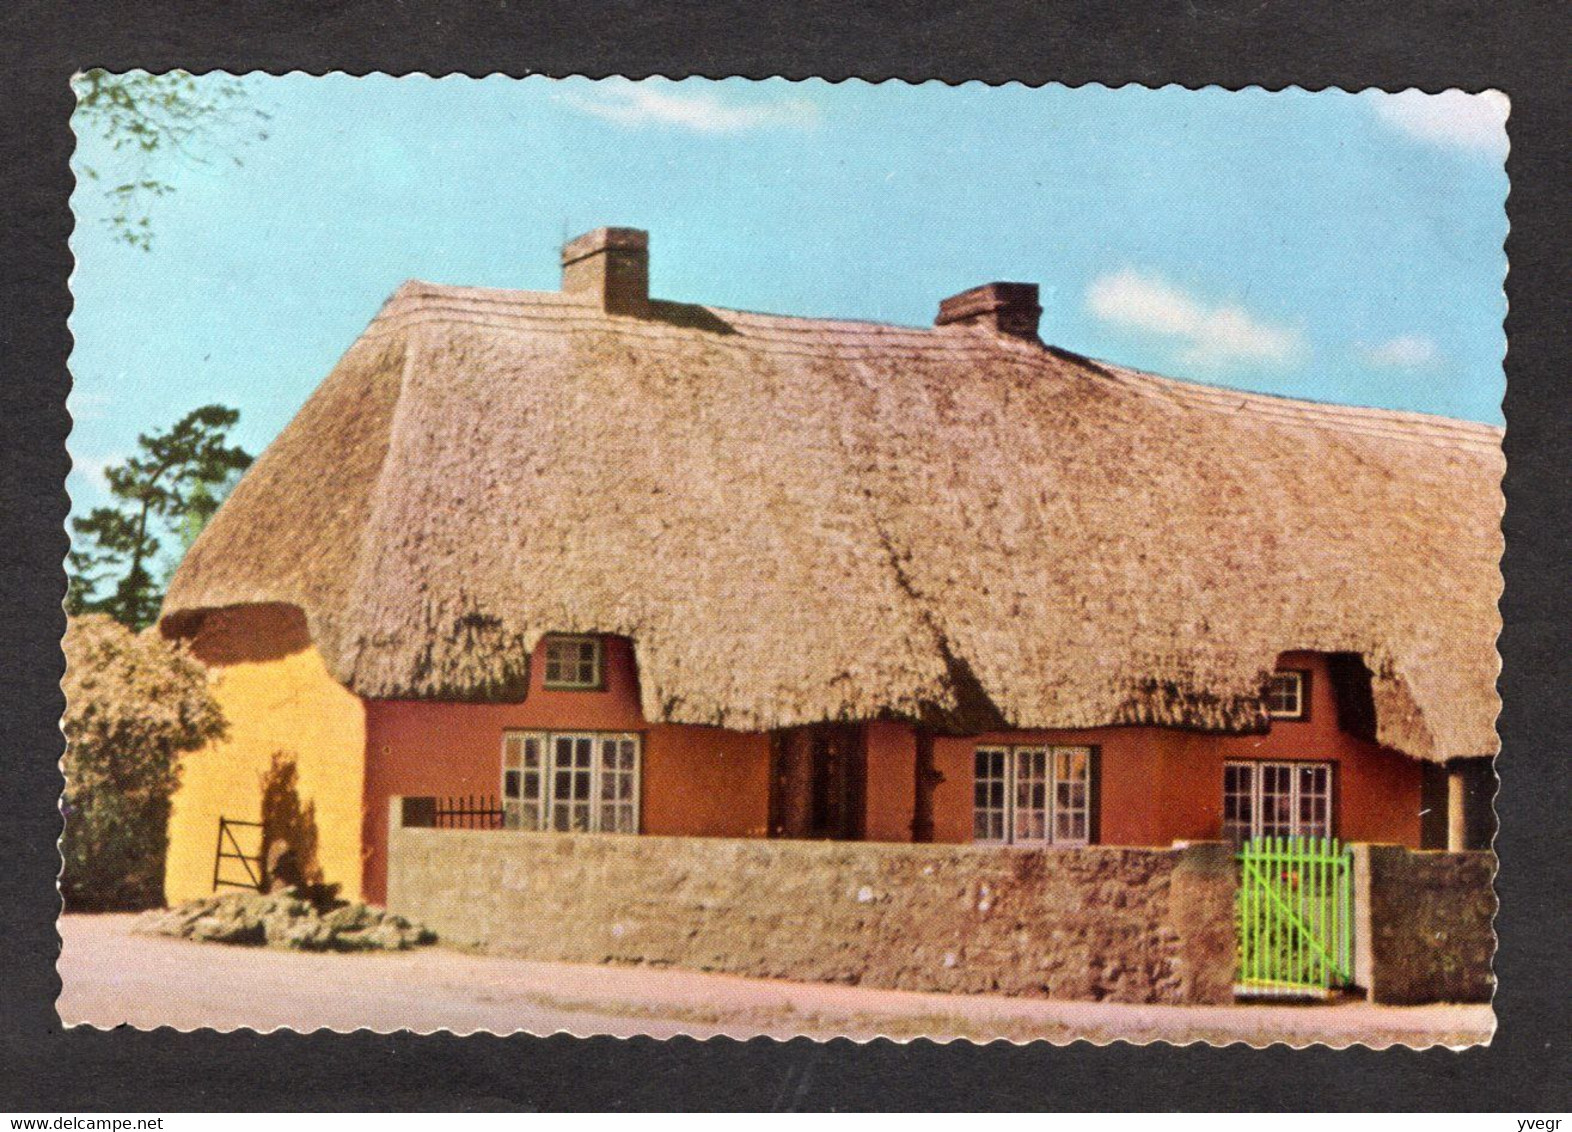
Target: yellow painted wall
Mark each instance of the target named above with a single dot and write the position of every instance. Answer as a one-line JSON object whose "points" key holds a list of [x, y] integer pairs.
{"points": [[277, 697]]}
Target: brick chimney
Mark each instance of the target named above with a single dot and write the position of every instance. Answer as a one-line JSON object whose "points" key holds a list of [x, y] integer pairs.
{"points": [[610, 266], [1004, 308]]}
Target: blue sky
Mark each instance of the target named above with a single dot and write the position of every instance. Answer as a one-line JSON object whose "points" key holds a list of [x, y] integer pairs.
{"points": [[1343, 247]]}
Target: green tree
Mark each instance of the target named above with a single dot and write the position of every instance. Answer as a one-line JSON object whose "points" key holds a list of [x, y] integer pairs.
{"points": [[149, 119], [134, 704], [201, 506], [171, 487]]}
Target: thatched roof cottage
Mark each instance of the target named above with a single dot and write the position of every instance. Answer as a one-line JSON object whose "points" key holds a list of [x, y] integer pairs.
{"points": [[654, 567]]}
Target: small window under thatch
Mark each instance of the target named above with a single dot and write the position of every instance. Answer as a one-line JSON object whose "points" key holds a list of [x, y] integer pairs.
{"points": [[574, 664], [1288, 694]]}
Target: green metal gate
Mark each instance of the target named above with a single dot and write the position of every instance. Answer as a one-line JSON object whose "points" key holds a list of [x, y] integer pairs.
{"points": [[1295, 913]]}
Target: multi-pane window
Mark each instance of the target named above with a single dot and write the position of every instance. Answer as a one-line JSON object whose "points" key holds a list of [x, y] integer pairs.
{"points": [[1072, 781], [523, 781], [1286, 695], [1277, 800], [573, 662], [1032, 795], [990, 783], [582, 782]]}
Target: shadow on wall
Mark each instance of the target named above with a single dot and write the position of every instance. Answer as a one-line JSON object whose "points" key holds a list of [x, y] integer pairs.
{"points": [[289, 829], [243, 634]]}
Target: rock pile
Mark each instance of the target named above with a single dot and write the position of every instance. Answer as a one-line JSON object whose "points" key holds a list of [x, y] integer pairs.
{"points": [[284, 919]]}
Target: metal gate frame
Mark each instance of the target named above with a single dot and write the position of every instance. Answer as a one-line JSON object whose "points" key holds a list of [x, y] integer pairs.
{"points": [[228, 849], [1294, 912]]}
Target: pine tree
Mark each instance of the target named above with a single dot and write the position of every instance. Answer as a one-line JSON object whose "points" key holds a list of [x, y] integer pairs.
{"points": [[171, 487]]}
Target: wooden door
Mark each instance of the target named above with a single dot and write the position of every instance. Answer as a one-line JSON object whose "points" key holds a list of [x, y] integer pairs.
{"points": [[818, 782]]}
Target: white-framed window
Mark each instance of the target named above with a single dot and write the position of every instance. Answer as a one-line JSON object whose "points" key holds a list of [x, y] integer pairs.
{"points": [[586, 782], [1276, 799], [574, 663], [1032, 795], [1288, 694]]}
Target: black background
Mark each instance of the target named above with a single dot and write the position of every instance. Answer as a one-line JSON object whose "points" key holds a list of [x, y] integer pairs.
{"points": [[1521, 48]]}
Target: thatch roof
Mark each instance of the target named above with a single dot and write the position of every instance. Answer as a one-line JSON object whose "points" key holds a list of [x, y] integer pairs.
{"points": [[797, 520]]}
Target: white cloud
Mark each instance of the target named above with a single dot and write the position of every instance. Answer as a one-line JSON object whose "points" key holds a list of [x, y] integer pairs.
{"points": [[91, 469], [1453, 118], [1406, 351], [89, 405], [639, 104], [1210, 334]]}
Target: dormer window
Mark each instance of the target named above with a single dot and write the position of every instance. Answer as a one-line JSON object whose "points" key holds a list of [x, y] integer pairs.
{"points": [[574, 664], [1288, 694]]}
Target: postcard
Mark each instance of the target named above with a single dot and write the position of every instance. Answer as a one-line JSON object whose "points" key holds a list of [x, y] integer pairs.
{"points": [[784, 558]]}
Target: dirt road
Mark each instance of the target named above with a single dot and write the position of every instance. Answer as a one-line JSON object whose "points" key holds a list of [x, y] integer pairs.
{"points": [[112, 977]]}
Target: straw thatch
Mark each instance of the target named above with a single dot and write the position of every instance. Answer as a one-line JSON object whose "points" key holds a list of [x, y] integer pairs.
{"points": [[797, 520]]}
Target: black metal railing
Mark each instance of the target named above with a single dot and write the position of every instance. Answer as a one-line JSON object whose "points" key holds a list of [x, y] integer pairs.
{"points": [[469, 811]]}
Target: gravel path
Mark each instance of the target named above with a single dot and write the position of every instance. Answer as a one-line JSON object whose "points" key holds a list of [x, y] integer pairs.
{"points": [[112, 977]]}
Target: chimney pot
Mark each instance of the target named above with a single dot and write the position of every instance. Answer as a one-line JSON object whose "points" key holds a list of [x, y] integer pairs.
{"points": [[1005, 308], [610, 266]]}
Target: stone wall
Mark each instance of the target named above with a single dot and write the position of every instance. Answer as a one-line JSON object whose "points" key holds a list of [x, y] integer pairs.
{"points": [[1129, 925], [1424, 930]]}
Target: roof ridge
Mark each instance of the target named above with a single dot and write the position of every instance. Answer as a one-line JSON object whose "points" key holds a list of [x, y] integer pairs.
{"points": [[768, 329], [417, 289], [1370, 419]]}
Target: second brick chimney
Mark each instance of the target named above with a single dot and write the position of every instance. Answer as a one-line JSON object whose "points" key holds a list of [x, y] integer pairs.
{"points": [[1005, 308], [610, 266]]}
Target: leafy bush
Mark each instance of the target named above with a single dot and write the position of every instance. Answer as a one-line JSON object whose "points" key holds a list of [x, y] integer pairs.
{"points": [[134, 704]]}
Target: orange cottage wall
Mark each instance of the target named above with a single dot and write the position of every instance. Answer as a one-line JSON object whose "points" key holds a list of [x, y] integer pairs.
{"points": [[1157, 785], [695, 781], [1160, 785], [280, 703]]}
